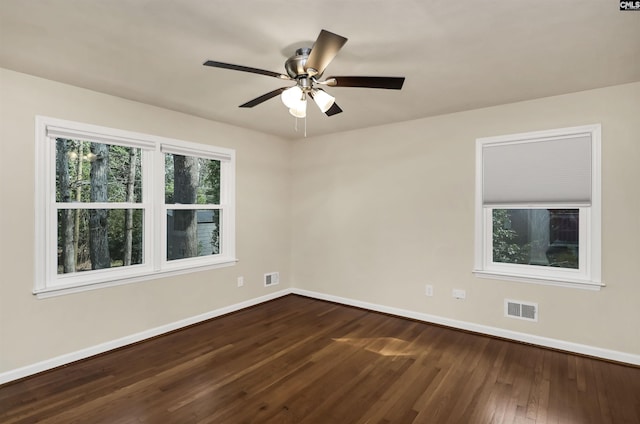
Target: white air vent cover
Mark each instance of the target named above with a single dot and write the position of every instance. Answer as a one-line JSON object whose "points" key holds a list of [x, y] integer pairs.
{"points": [[271, 278], [521, 310]]}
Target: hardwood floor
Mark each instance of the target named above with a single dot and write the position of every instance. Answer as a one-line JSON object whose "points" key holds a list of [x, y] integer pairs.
{"points": [[299, 360]]}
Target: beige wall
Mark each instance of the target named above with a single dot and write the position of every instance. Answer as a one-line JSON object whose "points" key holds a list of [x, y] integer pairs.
{"points": [[378, 213], [371, 215], [33, 330]]}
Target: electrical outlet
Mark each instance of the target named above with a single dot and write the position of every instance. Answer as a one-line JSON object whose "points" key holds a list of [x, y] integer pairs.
{"points": [[428, 290], [459, 293], [240, 281]]}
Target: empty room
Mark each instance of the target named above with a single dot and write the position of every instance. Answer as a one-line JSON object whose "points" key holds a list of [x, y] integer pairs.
{"points": [[319, 212]]}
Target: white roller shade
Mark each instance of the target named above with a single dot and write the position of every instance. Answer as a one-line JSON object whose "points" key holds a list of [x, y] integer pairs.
{"points": [[537, 171]]}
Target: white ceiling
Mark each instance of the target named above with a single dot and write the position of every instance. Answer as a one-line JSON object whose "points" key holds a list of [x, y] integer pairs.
{"points": [[455, 55]]}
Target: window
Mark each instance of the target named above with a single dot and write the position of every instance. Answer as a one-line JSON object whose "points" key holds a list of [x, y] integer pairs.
{"points": [[114, 207], [538, 207]]}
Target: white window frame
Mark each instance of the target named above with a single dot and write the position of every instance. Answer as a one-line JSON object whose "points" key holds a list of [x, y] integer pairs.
{"points": [[49, 283], [588, 275]]}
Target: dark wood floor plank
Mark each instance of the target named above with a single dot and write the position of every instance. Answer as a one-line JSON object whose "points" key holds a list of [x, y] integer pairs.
{"points": [[304, 361]]}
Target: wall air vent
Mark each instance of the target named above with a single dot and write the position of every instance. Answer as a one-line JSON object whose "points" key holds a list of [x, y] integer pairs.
{"points": [[522, 310], [271, 278]]}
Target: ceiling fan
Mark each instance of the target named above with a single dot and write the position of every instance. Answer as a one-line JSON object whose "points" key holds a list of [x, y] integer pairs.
{"points": [[306, 67]]}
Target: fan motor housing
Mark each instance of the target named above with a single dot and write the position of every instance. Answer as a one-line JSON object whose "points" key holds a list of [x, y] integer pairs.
{"points": [[295, 65]]}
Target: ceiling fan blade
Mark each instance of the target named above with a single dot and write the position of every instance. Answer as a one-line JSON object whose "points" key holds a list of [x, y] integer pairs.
{"points": [[391, 83], [264, 97], [325, 48], [245, 69], [333, 110]]}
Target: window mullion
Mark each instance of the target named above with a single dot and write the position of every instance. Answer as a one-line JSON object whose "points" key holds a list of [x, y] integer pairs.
{"points": [[159, 244]]}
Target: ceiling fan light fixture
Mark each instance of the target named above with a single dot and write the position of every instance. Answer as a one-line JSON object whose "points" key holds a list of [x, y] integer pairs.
{"points": [[323, 99], [305, 68], [300, 110], [291, 97]]}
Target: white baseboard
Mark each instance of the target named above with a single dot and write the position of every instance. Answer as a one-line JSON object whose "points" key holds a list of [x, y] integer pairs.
{"points": [[65, 359], [597, 352]]}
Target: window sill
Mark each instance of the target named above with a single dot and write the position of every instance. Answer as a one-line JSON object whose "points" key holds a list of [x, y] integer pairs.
{"points": [[55, 291], [547, 281]]}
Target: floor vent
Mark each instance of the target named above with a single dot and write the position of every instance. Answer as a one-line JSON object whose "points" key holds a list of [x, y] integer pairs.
{"points": [[271, 279], [521, 310]]}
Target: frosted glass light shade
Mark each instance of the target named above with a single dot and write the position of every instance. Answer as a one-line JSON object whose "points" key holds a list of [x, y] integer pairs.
{"points": [[291, 97], [323, 99], [300, 111]]}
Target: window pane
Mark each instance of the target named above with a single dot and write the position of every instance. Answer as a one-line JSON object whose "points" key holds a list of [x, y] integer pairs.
{"points": [[98, 238], [192, 233], [191, 180], [544, 237], [97, 172]]}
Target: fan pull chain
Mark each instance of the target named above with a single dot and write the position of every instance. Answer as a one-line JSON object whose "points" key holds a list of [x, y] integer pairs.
{"points": [[295, 126]]}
